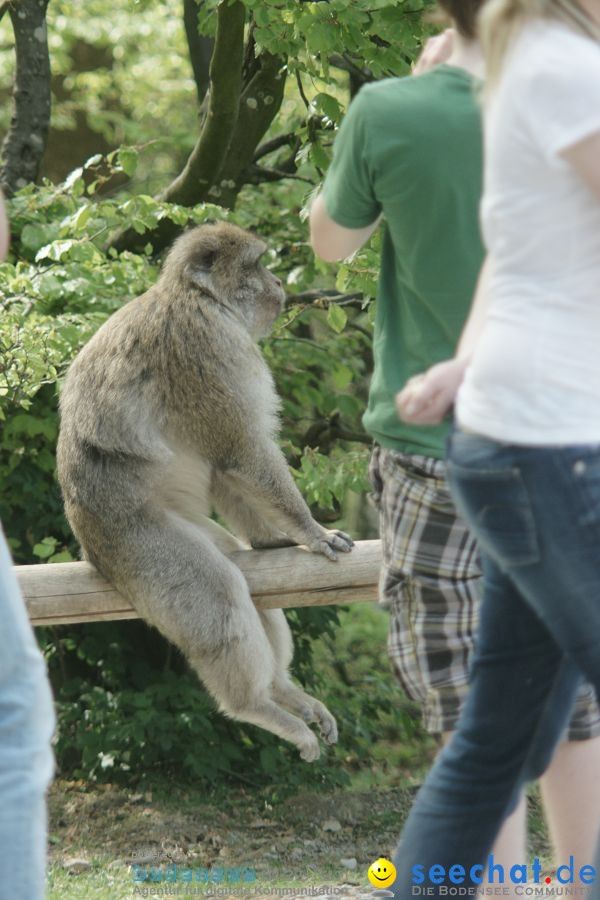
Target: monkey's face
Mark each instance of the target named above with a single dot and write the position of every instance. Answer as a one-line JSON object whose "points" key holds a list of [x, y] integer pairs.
{"points": [[260, 296], [222, 264], [226, 263]]}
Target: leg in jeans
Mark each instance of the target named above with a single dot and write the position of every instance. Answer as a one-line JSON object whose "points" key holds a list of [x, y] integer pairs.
{"points": [[540, 606], [518, 673], [26, 761]]}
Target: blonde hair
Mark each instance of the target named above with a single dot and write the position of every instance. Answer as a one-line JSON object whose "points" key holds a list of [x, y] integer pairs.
{"points": [[500, 22]]}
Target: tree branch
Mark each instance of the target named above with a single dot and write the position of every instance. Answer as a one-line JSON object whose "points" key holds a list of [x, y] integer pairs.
{"points": [[206, 159], [276, 143], [260, 174], [25, 142], [331, 295], [200, 47], [259, 104]]}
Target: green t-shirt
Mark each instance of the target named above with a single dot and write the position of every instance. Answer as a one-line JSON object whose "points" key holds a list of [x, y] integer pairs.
{"points": [[412, 149]]}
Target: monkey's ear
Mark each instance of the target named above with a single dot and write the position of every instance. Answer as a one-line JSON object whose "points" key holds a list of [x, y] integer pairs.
{"points": [[206, 260], [200, 270]]}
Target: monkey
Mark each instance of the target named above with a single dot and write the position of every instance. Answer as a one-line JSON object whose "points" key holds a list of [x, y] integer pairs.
{"points": [[168, 414]]}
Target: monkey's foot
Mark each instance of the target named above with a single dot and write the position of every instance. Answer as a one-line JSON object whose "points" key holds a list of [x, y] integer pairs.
{"points": [[328, 728], [309, 749], [317, 712], [327, 725]]}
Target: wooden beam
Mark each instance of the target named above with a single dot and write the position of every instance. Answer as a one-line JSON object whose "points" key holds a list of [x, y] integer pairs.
{"points": [[62, 593]]}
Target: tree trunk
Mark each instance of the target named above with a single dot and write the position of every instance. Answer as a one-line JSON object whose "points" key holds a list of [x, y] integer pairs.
{"points": [[221, 110], [25, 142], [259, 104], [244, 95]]}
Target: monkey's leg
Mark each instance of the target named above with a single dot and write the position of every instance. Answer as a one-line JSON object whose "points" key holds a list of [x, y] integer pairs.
{"points": [[183, 584], [284, 689], [244, 517]]}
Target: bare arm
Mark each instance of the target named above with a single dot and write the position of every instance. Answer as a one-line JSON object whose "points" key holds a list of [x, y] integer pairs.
{"points": [[584, 157], [425, 399], [333, 242]]}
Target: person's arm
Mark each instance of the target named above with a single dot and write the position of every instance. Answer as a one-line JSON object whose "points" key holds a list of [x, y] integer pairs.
{"points": [[584, 157], [425, 399], [333, 242]]}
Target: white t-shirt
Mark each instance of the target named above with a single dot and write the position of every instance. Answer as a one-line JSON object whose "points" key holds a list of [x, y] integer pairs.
{"points": [[535, 375]]}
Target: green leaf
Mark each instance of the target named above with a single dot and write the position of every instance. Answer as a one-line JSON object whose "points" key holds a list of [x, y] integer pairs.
{"points": [[342, 376], [45, 548], [319, 155], [63, 556], [128, 160], [336, 318], [329, 105], [79, 219], [56, 250], [35, 236]]}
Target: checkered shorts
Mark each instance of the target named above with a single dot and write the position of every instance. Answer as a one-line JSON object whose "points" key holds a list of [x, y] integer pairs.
{"points": [[431, 583]]}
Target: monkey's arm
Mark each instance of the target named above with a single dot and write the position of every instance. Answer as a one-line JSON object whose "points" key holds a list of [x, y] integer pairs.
{"points": [[261, 479], [243, 516]]}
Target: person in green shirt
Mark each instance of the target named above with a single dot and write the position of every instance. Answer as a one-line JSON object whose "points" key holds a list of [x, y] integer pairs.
{"points": [[410, 150]]}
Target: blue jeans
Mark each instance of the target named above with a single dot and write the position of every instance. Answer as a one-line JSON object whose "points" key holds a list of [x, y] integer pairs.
{"points": [[26, 760], [536, 514]]}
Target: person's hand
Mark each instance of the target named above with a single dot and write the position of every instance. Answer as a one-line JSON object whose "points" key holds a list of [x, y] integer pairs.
{"points": [[425, 399], [436, 50]]}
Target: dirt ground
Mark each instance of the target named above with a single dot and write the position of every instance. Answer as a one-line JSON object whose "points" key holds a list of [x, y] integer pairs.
{"points": [[327, 837], [312, 838]]}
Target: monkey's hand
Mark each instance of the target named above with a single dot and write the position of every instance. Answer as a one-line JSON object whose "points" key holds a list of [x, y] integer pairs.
{"points": [[327, 542]]}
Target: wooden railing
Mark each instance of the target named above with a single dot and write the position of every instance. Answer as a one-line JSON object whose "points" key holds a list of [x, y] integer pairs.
{"points": [[60, 593]]}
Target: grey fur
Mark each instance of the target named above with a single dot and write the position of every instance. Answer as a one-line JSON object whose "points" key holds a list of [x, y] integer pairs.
{"points": [[168, 413]]}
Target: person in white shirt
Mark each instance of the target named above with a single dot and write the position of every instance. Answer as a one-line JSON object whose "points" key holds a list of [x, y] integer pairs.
{"points": [[524, 459]]}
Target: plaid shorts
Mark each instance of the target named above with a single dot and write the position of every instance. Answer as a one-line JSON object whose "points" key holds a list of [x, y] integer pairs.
{"points": [[431, 583]]}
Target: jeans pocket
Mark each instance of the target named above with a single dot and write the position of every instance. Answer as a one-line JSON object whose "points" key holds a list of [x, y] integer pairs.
{"points": [[585, 476], [496, 506]]}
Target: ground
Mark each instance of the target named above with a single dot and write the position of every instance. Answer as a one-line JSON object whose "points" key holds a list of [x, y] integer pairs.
{"points": [[98, 834]]}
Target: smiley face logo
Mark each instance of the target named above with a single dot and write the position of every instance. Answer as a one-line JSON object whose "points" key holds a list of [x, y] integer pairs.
{"points": [[382, 873]]}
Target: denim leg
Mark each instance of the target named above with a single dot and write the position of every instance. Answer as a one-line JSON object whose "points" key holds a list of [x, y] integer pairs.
{"points": [[536, 512], [519, 703], [26, 760]]}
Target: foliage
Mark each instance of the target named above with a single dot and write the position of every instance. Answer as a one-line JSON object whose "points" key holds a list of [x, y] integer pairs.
{"points": [[138, 714], [135, 716]]}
